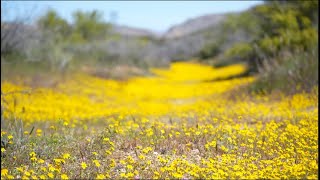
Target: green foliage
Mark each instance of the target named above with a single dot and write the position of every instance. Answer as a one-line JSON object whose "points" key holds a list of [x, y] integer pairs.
{"points": [[280, 27], [58, 36], [287, 47], [76, 37], [209, 50], [287, 25], [89, 25], [291, 40], [235, 28], [309, 9], [56, 25], [281, 36], [241, 51], [245, 21]]}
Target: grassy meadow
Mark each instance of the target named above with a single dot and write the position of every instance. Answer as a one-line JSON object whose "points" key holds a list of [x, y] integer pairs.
{"points": [[188, 121]]}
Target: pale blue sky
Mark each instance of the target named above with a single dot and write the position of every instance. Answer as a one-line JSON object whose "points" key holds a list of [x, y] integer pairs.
{"points": [[157, 16]]}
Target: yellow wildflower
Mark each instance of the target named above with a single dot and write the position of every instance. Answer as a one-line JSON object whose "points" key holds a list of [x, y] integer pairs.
{"points": [[83, 165], [96, 162], [64, 176], [100, 176], [66, 156], [50, 175], [4, 172]]}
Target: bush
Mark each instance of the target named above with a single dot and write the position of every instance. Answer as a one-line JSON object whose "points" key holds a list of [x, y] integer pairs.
{"points": [[241, 51], [210, 50], [292, 73]]}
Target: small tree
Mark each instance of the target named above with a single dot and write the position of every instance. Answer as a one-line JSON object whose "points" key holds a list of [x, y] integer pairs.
{"points": [[89, 25], [209, 50], [52, 23]]}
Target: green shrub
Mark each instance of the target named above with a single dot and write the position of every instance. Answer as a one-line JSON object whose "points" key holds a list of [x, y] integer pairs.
{"points": [[241, 51], [209, 50]]}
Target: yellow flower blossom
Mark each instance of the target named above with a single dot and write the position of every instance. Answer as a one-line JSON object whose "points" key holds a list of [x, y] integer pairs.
{"points": [[130, 167], [96, 162], [64, 176], [100, 176], [50, 175], [41, 161], [4, 172], [83, 165], [10, 177], [66, 156], [27, 173], [42, 177]]}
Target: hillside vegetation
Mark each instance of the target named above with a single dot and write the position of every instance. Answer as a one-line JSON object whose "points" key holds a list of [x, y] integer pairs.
{"points": [[279, 40]]}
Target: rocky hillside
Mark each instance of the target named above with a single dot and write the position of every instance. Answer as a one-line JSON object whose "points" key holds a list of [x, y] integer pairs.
{"points": [[194, 25], [131, 31], [188, 27]]}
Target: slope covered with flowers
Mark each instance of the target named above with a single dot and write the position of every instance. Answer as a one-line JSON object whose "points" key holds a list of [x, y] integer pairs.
{"points": [[179, 123]]}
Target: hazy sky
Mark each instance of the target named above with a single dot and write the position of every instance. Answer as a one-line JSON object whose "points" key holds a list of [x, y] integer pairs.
{"points": [[157, 16]]}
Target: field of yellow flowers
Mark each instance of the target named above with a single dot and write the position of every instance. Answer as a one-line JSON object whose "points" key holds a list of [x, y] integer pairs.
{"points": [[178, 123]]}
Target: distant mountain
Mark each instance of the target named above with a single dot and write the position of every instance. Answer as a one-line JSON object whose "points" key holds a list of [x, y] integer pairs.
{"points": [[194, 25], [180, 42], [131, 31], [188, 27]]}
